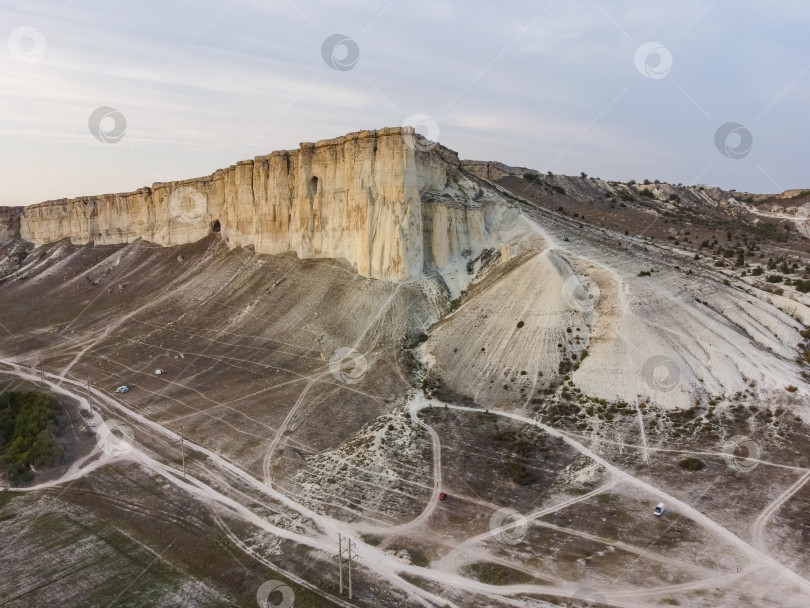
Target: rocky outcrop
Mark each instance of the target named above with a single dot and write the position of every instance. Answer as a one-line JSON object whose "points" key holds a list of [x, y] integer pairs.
{"points": [[493, 170], [10, 223], [795, 193], [384, 200]]}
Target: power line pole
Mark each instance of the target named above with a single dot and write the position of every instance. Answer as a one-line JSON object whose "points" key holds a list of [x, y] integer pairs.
{"points": [[183, 452], [349, 549], [348, 559], [41, 371], [340, 561]]}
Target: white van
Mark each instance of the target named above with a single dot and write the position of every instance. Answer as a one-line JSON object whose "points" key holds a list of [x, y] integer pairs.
{"points": [[660, 509]]}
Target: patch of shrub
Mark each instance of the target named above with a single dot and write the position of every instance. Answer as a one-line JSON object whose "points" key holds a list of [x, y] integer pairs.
{"points": [[769, 230], [495, 574], [28, 434], [692, 464]]}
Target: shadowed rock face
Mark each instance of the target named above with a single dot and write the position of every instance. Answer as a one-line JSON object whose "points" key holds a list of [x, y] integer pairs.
{"points": [[9, 223], [358, 197]]}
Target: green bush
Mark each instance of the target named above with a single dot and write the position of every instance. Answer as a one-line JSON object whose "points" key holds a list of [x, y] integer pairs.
{"points": [[28, 434], [497, 574], [372, 540], [770, 230], [692, 464], [505, 435]]}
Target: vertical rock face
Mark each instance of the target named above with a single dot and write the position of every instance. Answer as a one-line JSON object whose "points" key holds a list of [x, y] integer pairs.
{"points": [[372, 197], [10, 223]]}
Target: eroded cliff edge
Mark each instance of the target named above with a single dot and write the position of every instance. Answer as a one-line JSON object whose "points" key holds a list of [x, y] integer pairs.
{"points": [[386, 201]]}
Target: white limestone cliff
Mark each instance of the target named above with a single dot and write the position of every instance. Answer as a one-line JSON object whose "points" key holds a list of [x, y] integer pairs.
{"points": [[371, 197]]}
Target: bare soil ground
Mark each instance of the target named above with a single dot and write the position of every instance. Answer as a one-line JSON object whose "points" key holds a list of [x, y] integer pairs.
{"points": [[301, 402]]}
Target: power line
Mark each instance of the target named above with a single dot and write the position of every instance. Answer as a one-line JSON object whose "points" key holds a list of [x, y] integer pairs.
{"points": [[347, 550]]}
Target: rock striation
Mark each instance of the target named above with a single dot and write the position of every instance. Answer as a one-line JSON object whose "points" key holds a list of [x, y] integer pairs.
{"points": [[387, 201]]}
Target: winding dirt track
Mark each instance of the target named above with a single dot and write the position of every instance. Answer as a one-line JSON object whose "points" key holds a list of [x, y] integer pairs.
{"points": [[386, 565], [758, 529]]}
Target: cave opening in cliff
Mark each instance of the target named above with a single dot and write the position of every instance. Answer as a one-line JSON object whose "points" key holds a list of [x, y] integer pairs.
{"points": [[313, 186], [215, 226]]}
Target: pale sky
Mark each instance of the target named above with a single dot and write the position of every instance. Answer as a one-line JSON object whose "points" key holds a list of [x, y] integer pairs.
{"points": [[566, 86]]}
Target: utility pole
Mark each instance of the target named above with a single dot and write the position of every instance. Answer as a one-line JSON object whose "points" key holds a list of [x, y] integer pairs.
{"points": [[340, 561], [183, 452], [349, 561], [349, 548], [41, 371]]}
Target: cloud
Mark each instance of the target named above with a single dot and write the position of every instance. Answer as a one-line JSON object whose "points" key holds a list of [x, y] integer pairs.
{"points": [[213, 81]]}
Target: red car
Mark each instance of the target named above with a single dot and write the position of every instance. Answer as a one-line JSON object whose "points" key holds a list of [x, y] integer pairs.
{"points": [[442, 495]]}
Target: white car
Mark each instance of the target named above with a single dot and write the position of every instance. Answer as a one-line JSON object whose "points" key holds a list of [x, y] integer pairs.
{"points": [[93, 423], [660, 509], [160, 372], [122, 389]]}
